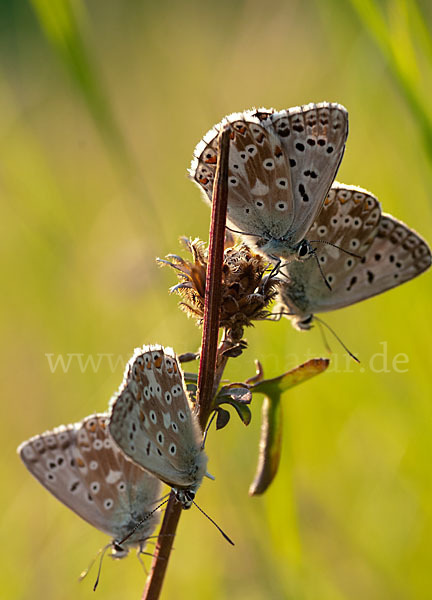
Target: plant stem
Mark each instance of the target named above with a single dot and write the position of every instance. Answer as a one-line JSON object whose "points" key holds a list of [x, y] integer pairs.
{"points": [[209, 345], [163, 548], [207, 376]]}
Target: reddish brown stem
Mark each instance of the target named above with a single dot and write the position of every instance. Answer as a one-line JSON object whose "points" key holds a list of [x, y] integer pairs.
{"points": [[209, 345], [207, 368], [163, 549]]}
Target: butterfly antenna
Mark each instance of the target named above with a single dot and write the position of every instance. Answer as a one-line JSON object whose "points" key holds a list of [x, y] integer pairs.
{"points": [[321, 271], [338, 338], [214, 523], [242, 232], [96, 583], [207, 429], [335, 246], [280, 314], [323, 336], [92, 562], [138, 525], [275, 268]]}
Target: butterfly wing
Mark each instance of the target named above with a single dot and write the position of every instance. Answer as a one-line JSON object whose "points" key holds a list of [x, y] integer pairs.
{"points": [[281, 167], [313, 137], [260, 200], [391, 253], [81, 466], [152, 421], [349, 219], [397, 254]]}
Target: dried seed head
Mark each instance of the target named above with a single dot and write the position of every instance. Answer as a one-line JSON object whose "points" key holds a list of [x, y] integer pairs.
{"points": [[246, 288]]}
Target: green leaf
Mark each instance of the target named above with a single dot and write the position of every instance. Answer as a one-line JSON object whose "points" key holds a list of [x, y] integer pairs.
{"points": [[223, 418], [271, 427], [269, 447], [237, 395], [243, 411], [278, 385], [238, 392]]}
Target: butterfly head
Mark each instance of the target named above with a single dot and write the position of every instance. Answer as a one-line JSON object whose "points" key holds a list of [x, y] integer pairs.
{"points": [[185, 496], [284, 248], [118, 551], [302, 323]]}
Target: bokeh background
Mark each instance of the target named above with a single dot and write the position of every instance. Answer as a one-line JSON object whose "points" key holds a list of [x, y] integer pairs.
{"points": [[101, 105]]}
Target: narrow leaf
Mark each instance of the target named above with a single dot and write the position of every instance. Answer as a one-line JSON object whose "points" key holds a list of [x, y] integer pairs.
{"points": [[271, 426], [269, 447], [299, 374]]}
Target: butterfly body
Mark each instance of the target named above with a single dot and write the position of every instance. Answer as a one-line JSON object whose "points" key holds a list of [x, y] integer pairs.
{"points": [[281, 166], [83, 468], [154, 424], [388, 253]]}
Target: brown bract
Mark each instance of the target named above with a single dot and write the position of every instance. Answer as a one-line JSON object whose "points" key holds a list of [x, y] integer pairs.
{"points": [[247, 289]]}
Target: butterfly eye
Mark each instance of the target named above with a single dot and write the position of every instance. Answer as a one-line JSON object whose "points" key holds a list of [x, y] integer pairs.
{"points": [[303, 249]]}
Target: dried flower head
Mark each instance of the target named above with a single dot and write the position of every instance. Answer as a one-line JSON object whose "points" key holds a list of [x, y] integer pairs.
{"points": [[247, 289]]}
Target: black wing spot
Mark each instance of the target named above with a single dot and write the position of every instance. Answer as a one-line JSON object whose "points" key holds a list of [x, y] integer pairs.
{"points": [[352, 283], [370, 276]]}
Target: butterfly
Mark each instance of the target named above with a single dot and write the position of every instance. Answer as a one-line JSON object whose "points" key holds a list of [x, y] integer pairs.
{"points": [[389, 253], [281, 166], [83, 468], [154, 424]]}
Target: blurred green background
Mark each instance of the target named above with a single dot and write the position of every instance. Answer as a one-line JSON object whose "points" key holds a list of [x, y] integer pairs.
{"points": [[101, 105]]}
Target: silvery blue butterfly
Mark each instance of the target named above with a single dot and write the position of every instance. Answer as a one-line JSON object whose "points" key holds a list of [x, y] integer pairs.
{"points": [[281, 167], [83, 468], [389, 253], [154, 424]]}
